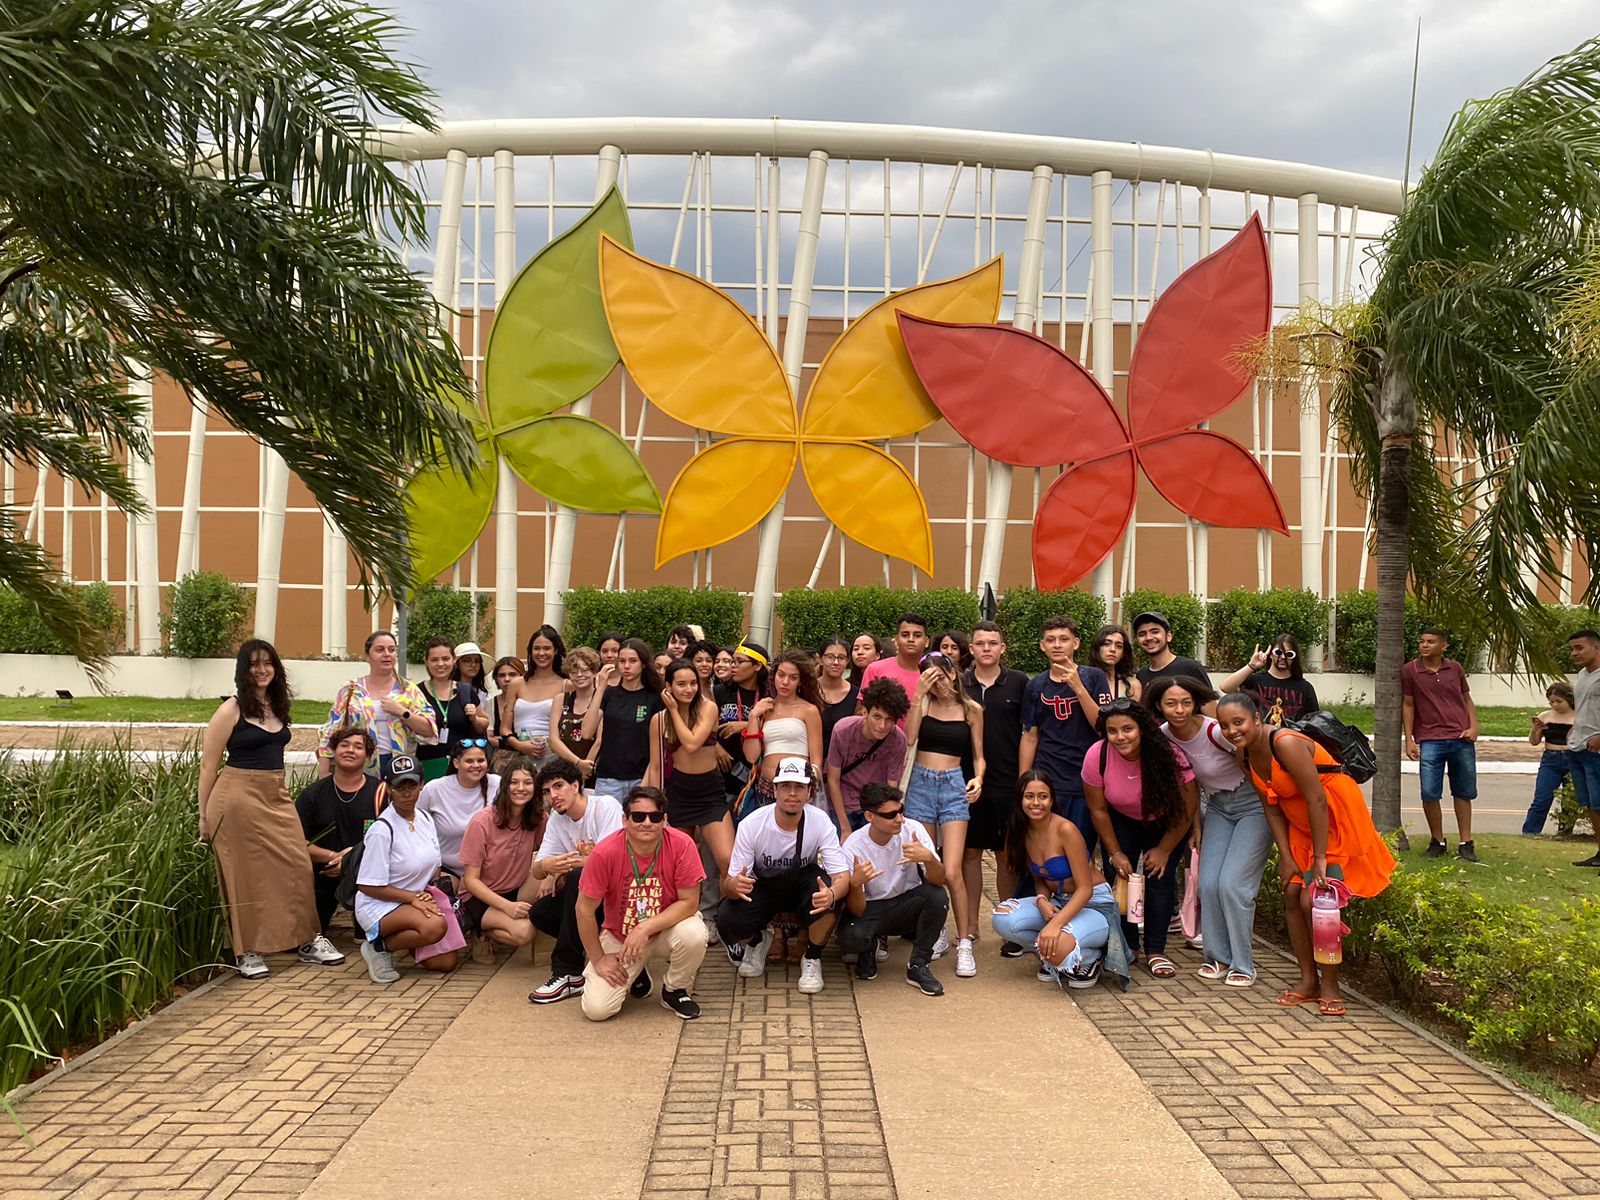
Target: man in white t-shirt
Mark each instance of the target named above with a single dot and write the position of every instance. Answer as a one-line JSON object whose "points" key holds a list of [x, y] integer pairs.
{"points": [[785, 859], [577, 821], [896, 887]]}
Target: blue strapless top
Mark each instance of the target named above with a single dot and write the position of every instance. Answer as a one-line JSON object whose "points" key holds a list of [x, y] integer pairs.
{"points": [[1055, 870]]}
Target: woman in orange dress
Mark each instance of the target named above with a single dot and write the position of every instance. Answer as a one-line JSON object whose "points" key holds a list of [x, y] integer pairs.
{"points": [[1320, 822]]}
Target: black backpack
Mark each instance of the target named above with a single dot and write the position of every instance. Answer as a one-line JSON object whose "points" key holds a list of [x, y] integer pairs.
{"points": [[1347, 744], [345, 891]]}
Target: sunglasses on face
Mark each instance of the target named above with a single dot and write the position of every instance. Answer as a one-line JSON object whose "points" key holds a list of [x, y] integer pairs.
{"points": [[639, 818], [888, 814], [1284, 652]]}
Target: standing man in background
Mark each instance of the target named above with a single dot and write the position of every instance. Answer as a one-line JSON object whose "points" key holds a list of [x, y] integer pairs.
{"points": [[1441, 724], [999, 689]]}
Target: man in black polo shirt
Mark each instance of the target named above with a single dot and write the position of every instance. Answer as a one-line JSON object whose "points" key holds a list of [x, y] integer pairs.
{"points": [[999, 689], [1153, 632]]}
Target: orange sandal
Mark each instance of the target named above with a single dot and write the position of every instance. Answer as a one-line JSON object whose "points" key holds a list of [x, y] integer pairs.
{"points": [[1289, 999], [1331, 1008]]}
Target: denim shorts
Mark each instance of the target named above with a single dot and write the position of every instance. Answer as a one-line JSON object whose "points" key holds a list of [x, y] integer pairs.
{"points": [[1457, 756], [937, 797]]}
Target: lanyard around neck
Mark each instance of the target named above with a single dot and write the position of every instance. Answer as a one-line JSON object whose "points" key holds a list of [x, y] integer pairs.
{"points": [[642, 876]]}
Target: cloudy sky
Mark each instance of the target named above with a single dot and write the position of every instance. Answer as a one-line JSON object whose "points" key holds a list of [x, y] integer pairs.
{"points": [[1324, 81]]}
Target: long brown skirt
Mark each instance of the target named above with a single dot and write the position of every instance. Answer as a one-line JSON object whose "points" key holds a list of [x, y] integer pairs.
{"points": [[262, 861]]}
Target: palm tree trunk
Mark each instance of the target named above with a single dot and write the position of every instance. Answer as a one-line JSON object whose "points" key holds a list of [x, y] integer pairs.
{"points": [[1397, 425]]}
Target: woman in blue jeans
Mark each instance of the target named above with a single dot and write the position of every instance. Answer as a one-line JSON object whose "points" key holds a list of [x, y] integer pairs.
{"points": [[1550, 730], [1235, 837], [1064, 921]]}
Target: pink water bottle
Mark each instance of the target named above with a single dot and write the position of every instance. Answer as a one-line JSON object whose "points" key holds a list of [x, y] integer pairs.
{"points": [[1326, 925], [1136, 898]]}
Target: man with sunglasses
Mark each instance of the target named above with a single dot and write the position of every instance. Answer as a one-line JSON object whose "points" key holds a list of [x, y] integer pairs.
{"points": [[896, 887], [646, 877], [1276, 678]]}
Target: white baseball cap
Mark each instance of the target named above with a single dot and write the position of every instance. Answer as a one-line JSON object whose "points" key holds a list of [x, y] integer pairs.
{"points": [[793, 770]]}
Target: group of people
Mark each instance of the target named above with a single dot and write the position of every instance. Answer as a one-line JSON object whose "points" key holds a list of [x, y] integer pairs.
{"points": [[638, 807]]}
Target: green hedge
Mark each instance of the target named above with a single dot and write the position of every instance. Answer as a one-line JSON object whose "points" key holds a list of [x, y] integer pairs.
{"points": [[650, 613], [206, 615], [1564, 622], [809, 617], [1356, 625], [1186, 613], [1239, 621], [1021, 615], [22, 632], [439, 611]]}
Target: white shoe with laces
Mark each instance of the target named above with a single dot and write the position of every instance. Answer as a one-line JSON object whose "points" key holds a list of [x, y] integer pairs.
{"points": [[754, 963], [810, 975], [321, 951], [942, 946], [881, 950], [252, 966], [380, 964], [966, 962]]}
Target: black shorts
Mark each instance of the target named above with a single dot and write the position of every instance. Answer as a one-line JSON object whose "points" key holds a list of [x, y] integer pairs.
{"points": [[472, 910], [695, 798], [986, 822]]}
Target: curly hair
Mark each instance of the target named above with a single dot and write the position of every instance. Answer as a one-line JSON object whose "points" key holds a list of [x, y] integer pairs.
{"points": [[806, 689], [1158, 763], [885, 694]]}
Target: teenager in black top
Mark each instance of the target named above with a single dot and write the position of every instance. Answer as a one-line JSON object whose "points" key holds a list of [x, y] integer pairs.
{"points": [[335, 812], [1153, 632]]}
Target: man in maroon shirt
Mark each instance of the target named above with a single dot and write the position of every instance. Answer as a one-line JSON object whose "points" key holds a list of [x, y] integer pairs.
{"points": [[1441, 724]]}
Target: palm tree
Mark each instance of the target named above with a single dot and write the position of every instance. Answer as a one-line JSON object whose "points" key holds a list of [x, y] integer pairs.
{"points": [[192, 187], [1469, 333]]}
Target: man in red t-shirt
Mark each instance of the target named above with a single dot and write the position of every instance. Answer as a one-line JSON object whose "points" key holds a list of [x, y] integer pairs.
{"points": [[1441, 724], [905, 668], [646, 877]]}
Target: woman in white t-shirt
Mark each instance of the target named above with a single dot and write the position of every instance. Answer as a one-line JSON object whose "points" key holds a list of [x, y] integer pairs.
{"points": [[399, 860], [1235, 837], [453, 799]]}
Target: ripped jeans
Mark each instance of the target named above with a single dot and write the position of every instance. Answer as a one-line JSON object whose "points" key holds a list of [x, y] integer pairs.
{"points": [[1020, 920]]}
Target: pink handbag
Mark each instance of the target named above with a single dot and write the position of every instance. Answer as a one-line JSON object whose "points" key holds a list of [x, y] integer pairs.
{"points": [[453, 938], [1189, 911]]}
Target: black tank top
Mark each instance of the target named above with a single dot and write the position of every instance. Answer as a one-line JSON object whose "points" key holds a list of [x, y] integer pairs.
{"points": [[936, 736], [252, 748]]}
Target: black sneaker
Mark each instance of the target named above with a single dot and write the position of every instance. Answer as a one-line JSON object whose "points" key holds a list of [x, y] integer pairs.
{"points": [[678, 1000], [1465, 852], [735, 951], [920, 977], [642, 986], [1086, 977], [1435, 849], [867, 966], [1012, 949], [1592, 861]]}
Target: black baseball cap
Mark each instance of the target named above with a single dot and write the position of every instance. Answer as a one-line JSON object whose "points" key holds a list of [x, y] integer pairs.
{"points": [[1146, 618], [403, 766]]}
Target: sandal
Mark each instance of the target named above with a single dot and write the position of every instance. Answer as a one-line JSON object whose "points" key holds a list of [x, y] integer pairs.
{"points": [[1290, 999], [1239, 979], [1161, 966], [1212, 970], [1331, 1008]]}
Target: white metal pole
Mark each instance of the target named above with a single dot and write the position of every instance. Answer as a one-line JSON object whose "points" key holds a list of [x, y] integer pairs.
{"points": [[558, 568], [1311, 520], [66, 528], [146, 555], [1202, 531], [269, 546], [189, 524], [1030, 281], [505, 495], [1102, 329], [794, 353]]}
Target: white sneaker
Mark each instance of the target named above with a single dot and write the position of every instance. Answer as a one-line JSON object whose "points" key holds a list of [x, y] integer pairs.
{"points": [[319, 950], [252, 966], [942, 946], [380, 964], [810, 975], [881, 951], [966, 963], [754, 964]]}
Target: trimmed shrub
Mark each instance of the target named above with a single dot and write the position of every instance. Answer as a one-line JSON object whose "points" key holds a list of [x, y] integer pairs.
{"points": [[1564, 622], [439, 611], [1356, 624], [1022, 612], [650, 613], [206, 615], [1187, 614], [1240, 620], [21, 631], [810, 617]]}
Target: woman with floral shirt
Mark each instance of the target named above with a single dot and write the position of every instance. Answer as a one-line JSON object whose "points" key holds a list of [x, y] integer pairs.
{"points": [[383, 702]]}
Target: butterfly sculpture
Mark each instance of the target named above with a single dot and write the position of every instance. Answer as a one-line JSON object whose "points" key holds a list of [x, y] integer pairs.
{"points": [[1022, 401]]}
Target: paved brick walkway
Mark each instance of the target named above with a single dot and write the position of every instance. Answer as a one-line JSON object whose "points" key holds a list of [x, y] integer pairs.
{"points": [[1288, 1103], [251, 1088], [770, 1095]]}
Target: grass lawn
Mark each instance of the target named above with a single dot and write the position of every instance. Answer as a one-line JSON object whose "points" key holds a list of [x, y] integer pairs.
{"points": [[1515, 870], [138, 709], [1494, 722]]}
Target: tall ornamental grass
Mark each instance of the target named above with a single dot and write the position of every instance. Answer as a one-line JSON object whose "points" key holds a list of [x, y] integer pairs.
{"points": [[109, 898]]}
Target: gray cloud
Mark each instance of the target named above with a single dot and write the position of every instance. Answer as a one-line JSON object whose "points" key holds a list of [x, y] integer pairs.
{"points": [[1322, 81]]}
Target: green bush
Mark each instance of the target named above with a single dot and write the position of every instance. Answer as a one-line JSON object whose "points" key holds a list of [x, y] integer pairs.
{"points": [[809, 617], [1021, 615], [439, 611], [1186, 613], [1564, 622], [650, 614], [21, 631], [1240, 620], [1356, 626], [1571, 817], [206, 615]]}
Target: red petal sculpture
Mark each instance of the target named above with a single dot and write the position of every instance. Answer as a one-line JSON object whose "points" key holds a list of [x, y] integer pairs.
{"points": [[1180, 372], [1080, 518], [1213, 479], [1012, 395]]}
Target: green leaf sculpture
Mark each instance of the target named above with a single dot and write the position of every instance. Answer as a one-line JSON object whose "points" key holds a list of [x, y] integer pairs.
{"points": [[550, 345]]}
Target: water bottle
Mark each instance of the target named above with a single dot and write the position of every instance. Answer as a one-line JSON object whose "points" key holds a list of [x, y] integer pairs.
{"points": [[1136, 897], [1122, 895], [1326, 925]]}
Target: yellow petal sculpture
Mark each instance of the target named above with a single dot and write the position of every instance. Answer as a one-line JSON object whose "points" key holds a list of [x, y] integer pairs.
{"points": [[703, 360]]}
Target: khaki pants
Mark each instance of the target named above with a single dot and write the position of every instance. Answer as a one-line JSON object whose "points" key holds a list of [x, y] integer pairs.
{"points": [[683, 946]]}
